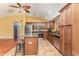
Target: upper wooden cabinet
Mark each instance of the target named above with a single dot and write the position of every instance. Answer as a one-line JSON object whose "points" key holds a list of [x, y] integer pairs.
{"points": [[55, 23], [69, 15], [65, 15], [51, 24]]}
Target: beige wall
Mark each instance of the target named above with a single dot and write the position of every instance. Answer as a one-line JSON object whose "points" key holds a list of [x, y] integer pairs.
{"points": [[6, 24]]}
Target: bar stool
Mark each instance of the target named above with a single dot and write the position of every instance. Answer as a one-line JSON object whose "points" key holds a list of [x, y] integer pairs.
{"points": [[20, 46]]}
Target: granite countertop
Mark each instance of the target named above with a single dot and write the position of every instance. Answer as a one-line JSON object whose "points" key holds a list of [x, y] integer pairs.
{"points": [[56, 34], [40, 30], [31, 35]]}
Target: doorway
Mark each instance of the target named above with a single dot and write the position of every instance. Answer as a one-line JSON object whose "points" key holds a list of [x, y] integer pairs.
{"points": [[16, 28]]}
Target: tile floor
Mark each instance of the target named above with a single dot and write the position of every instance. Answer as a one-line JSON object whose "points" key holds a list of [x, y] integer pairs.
{"points": [[44, 49]]}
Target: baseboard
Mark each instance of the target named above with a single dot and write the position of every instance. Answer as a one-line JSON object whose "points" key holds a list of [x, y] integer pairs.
{"points": [[6, 37], [75, 54], [9, 37]]}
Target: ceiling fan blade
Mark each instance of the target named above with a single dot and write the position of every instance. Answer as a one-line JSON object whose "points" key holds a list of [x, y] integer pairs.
{"points": [[27, 7], [19, 4], [14, 6], [27, 11]]}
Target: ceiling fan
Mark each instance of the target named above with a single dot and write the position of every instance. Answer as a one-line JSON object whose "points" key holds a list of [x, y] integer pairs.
{"points": [[25, 7]]}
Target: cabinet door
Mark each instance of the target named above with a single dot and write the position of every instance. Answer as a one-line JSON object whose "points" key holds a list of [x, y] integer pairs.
{"points": [[64, 17], [61, 19], [62, 40], [68, 15], [67, 41], [45, 34], [31, 46]]}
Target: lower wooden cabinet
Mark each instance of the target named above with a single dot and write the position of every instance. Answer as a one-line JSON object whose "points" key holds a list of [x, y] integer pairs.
{"points": [[50, 38], [45, 34], [31, 45], [65, 40]]}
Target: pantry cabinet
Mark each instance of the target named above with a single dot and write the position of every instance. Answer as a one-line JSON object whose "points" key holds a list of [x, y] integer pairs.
{"points": [[69, 29], [69, 15], [65, 16], [65, 43]]}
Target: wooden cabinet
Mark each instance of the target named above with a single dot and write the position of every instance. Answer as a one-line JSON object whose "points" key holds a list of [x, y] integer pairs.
{"points": [[50, 38], [66, 30], [62, 40], [69, 29], [65, 16], [69, 15], [45, 34], [65, 41], [31, 45], [50, 24], [54, 24]]}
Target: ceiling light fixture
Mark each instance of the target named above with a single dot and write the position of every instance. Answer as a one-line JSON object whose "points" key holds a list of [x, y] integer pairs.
{"points": [[50, 11]]}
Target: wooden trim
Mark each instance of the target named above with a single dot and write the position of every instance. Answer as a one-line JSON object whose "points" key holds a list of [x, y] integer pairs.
{"points": [[58, 50], [35, 22], [65, 25], [31, 37], [64, 7], [54, 19], [71, 39]]}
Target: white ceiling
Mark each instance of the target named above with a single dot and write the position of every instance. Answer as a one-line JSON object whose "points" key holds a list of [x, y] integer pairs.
{"points": [[6, 10], [43, 10]]}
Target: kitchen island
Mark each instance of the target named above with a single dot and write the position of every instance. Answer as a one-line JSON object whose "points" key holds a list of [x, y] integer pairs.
{"points": [[31, 44]]}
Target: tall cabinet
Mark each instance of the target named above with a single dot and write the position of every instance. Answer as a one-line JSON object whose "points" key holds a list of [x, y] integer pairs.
{"points": [[65, 40], [69, 28]]}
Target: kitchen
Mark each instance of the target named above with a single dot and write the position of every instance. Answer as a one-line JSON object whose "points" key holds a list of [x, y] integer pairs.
{"points": [[35, 33]]}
